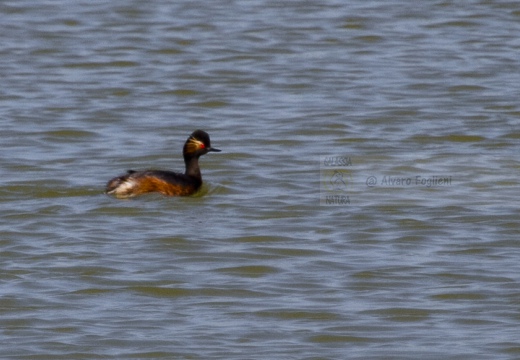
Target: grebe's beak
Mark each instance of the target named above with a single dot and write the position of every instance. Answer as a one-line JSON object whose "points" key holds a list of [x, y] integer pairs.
{"points": [[213, 149]]}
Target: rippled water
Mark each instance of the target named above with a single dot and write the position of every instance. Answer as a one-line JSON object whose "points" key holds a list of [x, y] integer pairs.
{"points": [[365, 204]]}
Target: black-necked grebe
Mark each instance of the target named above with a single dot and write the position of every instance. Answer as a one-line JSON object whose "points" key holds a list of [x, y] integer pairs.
{"points": [[135, 183]]}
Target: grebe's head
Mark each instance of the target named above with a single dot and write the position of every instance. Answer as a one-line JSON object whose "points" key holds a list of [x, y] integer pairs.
{"points": [[198, 144]]}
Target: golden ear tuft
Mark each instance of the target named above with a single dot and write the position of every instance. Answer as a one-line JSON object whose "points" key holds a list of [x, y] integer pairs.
{"points": [[193, 145]]}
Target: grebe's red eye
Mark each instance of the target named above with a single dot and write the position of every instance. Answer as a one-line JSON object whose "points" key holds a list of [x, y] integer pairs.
{"points": [[202, 146]]}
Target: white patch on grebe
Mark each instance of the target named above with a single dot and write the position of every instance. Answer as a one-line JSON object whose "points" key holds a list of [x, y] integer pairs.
{"points": [[124, 189]]}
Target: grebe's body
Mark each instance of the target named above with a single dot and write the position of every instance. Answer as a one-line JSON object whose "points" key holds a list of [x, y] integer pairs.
{"points": [[169, 183]]}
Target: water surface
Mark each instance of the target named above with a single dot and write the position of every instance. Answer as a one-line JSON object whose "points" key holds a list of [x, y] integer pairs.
{"points": [[258, 265]]}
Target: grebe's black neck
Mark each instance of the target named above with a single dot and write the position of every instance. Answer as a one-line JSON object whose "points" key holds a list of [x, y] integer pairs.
{"points": [[192, 166], [198, 144]]}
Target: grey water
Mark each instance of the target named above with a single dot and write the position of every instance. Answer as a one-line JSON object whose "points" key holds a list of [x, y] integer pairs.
{"points": [[365, 204]]}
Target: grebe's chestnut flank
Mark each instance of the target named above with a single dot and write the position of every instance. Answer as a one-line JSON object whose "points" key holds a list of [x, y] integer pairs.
{"points": [[135, 183]]}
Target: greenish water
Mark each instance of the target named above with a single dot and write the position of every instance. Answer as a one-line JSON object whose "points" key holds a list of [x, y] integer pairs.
{"points": [[364, 206]]}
